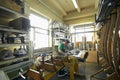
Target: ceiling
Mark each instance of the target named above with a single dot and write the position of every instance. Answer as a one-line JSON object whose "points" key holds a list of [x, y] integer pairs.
{"points": [[64, 10]]}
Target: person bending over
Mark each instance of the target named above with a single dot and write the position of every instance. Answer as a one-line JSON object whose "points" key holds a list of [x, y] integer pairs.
{"points": [[62, 47]]}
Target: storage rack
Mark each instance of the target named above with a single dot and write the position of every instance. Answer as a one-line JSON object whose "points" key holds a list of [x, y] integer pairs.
{"points": [[60, 31], [13, 66]]}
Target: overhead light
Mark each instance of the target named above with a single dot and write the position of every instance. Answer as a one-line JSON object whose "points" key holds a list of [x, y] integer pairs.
{"points": [[75, 3]]}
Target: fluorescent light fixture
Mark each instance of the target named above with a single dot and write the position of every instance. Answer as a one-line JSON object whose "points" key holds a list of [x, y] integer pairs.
{"points": [[75, 3]]}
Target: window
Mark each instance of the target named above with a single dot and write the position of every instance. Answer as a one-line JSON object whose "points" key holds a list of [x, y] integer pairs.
{"points": [[77, 33], [39, 31]]}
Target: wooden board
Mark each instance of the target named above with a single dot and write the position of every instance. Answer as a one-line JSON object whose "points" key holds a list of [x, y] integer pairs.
{"points": [[92, 57]]}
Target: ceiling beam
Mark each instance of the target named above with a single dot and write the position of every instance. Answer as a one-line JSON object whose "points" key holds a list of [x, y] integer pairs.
{"points": [[48, 8], [83, 13], [81, 20], [59, 6], [39, 8], [78, 8], [96, 4]]}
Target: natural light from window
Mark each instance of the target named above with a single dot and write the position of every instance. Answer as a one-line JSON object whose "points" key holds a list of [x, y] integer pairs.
{"points": [[39, 31], [78, 33]]}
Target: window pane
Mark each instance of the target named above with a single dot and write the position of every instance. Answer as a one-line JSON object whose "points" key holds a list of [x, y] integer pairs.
{"points": [[31, 34], [39, 34], [41, 31], [41, 40], [84, 30], [38, 21], [89, 36]]}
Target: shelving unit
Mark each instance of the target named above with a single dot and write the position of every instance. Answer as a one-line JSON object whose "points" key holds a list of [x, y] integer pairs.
{"points": [[16, 68], [12, 66], [13, 60], [10, 12], [12, 30], [60, 31], [8, 45]]}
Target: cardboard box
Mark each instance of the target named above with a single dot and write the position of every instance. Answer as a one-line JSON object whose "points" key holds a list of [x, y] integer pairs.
{"points": [[20, 24]]}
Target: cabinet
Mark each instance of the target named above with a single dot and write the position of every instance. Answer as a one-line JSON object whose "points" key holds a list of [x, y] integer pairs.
{"points": [[15, 45]]}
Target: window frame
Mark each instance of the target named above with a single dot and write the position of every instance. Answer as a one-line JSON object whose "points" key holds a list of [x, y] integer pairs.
{"points": [[45, 31]]}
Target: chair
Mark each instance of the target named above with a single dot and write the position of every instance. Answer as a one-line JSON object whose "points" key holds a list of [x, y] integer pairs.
{"points": [[83, 60]]}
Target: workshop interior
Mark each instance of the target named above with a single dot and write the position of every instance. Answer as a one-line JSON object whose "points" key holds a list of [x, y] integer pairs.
{"points": [[59, 39]]}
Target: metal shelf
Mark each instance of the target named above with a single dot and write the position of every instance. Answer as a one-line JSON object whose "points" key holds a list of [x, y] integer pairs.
{"points": [[17, 68], [8, 45], [12, 30], [13, 65], [10, 12], [60, 29], [12, 60]]}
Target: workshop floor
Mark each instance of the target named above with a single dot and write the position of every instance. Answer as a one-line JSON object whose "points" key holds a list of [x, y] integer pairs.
{"points": [[90, 69]]}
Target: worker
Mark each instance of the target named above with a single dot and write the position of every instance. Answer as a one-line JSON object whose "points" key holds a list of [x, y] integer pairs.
{"points": [[62, 48]]}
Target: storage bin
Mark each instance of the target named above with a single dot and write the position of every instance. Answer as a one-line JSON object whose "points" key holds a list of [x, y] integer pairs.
{"points": [[20, 24]]}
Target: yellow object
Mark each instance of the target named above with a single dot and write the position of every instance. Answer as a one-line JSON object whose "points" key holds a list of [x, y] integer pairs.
{"points": [[73, 66], [33, 67], [48, 75]]}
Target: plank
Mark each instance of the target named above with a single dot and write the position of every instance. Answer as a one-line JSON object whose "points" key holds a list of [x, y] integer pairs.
{"points": [[109, 40], [115, 53]]}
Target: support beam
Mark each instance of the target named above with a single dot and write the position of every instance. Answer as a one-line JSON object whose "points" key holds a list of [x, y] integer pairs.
{"points": [[59, 7], [53, 11], [78, 9], [75, 15], [96, 4], [81, 20], [39, 8]]}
